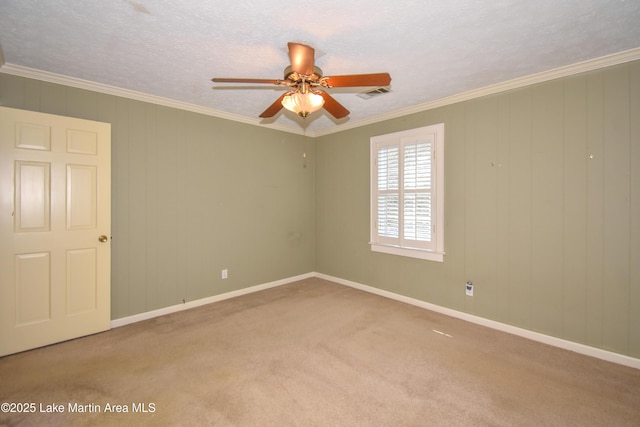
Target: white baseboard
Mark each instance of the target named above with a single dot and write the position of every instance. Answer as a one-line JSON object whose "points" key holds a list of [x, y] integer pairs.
{"points": [[535, 336], [525, 333], [197, 303]]}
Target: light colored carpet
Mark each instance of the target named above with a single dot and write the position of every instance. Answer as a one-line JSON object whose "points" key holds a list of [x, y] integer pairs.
{"points": [[315, 353]]}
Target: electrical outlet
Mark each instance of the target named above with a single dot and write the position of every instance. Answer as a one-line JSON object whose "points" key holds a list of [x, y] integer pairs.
{"points": [[469, 289], [224, 274]]}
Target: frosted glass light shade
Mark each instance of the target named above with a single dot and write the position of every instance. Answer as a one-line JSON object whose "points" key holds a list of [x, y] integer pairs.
{"points": [[303, 104]]}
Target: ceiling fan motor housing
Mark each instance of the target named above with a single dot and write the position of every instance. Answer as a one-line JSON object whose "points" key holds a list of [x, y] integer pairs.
{"points": [[289, 74]]}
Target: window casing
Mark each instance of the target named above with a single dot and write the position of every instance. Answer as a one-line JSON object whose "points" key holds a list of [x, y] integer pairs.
{"points": [[407, 193]]}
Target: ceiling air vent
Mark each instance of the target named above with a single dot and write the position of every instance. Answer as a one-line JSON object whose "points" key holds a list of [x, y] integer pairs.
{"points": [[374, 92]]}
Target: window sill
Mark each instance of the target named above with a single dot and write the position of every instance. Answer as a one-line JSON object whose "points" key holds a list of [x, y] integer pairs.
{"points": [[412, 253]]}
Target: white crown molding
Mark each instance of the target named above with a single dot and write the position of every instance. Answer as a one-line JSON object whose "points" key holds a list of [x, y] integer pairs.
{"points": [[566, 71], [46, 76], [569, 70]]}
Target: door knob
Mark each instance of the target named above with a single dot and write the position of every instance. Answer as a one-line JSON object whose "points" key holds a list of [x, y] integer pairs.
{"points": [[103, 238]]}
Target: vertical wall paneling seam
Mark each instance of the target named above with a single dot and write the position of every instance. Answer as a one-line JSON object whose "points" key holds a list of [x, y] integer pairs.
{"points": [[503, 204], [634, 141], [40, 96], [602, 214], [630, 120], [496, 189], [127, 104], [151, 158], [603, 155], [180, 165], [628, 205], [23, 99], [508, 207], [530, 237], [563, 273], [585, 159], [126, 210], [148, 268], [468, 137], [129, 180], [144, 178], [587, 201], [587, 229], [182, 152], [114, 196]]}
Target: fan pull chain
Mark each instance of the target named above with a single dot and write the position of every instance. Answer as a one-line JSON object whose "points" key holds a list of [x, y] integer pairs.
{"points": [[304, 136]]}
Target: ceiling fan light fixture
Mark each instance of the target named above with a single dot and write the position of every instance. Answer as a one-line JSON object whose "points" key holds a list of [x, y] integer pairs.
{"points": [[303, 104]]}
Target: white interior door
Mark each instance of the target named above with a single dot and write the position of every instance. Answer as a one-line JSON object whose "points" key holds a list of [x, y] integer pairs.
{"points": [[55, 228]]}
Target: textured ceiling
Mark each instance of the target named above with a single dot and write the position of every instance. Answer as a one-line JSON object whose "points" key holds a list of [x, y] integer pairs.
{"points": [[433, 49]]}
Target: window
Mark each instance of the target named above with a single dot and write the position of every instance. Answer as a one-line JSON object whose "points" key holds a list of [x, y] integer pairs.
{"points": [[407, 193]]}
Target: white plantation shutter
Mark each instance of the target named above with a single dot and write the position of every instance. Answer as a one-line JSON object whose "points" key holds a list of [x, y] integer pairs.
{"points": [[404, 199], [389, 192], [417, 194]]}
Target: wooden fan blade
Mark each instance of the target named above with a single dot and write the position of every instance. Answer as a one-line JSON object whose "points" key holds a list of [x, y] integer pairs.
{"points": [[273, 109], [233, 80], [302, 58], [376, 79], [334, 108]]}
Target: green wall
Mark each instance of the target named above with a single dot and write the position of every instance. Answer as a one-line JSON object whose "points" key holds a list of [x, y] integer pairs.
{"points": [[542, 201], [191, 195], [542, 209]]}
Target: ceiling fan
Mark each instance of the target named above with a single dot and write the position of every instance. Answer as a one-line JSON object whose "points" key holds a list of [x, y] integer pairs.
{"points": [[307, 85]]}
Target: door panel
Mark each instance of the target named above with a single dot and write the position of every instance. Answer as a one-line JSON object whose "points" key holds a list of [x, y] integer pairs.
{"points": [[82, 142], [33, 136], [81, 280], [32, 196], [33, 288], [55, 188], [81, 197]]}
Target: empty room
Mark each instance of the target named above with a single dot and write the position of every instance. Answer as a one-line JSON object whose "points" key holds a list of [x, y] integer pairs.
{"points": [[328, 213]]}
